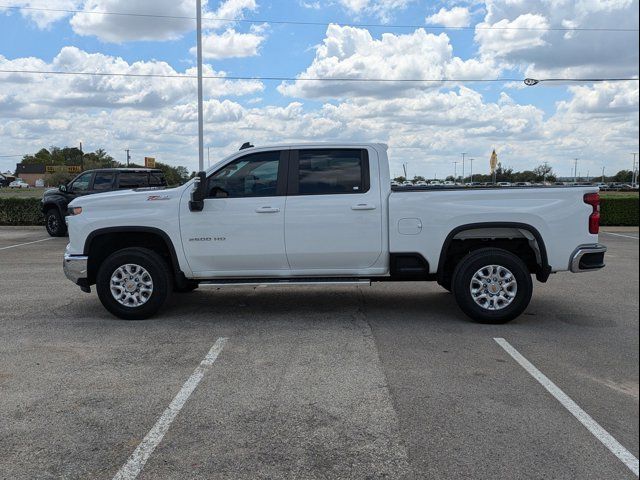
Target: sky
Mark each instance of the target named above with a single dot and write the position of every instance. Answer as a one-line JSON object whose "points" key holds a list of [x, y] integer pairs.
{"points": [[428, 125]]}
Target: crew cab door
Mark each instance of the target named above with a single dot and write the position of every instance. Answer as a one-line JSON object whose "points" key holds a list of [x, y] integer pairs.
{"points": [[240, 231], [333, 222]]}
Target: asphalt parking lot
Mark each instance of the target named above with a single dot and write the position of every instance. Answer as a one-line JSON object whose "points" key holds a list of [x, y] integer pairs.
{"points": [[389, 381]]}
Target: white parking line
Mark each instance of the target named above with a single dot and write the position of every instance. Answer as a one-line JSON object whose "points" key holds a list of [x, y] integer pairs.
{"points": [[141, 454], [583, 417], [28, 243], [620, 235]]}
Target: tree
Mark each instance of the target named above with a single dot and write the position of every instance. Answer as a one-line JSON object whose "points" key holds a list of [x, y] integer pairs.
{"points": [[623, 176], [399, 179], [418, 178], [543, 173]]}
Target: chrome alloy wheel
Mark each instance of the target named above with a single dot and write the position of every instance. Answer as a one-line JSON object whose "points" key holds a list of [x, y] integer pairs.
{"points": [[493, 287], [131, 285]]}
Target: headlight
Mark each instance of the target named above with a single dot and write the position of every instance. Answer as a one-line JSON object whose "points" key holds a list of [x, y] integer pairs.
{"points": [[74, 210]]}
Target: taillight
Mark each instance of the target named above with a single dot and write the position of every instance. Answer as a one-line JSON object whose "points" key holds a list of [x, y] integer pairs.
{"points": [[593, 199]]}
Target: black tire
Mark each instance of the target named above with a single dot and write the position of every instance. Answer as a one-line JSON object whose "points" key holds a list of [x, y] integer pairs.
{"points": [[446, 284], [187, 287], [158, 271], [474, 262], [54, 223]]}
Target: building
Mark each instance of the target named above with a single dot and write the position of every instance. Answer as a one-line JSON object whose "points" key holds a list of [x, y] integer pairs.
{"points": [[40, 173], [31, 173]]}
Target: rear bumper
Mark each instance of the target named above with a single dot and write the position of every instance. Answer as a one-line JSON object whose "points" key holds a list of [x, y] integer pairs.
{"points": [[587, 258], [75, 269]]}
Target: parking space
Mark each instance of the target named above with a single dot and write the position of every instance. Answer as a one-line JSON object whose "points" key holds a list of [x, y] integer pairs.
{"points": [[388, 381]]}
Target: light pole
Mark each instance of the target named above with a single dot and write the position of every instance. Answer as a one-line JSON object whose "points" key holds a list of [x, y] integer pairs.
{"points": [[455, 171], [634, 171], [463, 155], [575, 170], [471, 176], [200, 108], [602, 174]]}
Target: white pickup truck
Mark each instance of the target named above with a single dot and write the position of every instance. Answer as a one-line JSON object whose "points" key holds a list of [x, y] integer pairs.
{"points": [[327, 214]]}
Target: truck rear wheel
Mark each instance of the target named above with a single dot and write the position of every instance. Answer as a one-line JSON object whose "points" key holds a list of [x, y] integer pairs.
{"points": [[492, 286], [133, 283]]}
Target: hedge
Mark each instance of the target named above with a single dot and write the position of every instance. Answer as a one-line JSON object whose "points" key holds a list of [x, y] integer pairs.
{"points": [[619, 211], [615, 211], [21, 211]]}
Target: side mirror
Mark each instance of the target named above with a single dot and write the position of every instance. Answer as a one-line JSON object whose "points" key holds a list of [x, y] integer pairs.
{"points": [[198, 194], [63, 188]]}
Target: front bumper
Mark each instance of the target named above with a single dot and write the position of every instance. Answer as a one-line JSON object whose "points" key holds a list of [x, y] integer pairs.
{"points": [[587, 258], [75, 269]]}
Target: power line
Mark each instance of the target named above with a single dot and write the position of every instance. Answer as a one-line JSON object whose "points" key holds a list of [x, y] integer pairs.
{"points": [[310, 23], [313, 79]]}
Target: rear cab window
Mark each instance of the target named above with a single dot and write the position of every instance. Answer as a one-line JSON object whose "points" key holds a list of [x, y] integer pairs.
{"points": [[130, 180], [329, 172]]}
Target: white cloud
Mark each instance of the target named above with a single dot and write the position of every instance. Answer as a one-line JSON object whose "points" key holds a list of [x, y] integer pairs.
{"points": [[352, 53], [174, 19], [456, 17], [551, 53], [230, 44], [383, 9], [43, 19], [119, 28], [91, 92], [504, 37]]}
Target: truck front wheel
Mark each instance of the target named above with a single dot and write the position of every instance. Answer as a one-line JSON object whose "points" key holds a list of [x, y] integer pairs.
{"points": [[54, 223], [492, 285], [133, 283]]}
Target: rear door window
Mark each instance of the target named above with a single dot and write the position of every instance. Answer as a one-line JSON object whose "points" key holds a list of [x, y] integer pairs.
{"points": [[156, 179], [129, 180], [103, 181], [332, 171]]}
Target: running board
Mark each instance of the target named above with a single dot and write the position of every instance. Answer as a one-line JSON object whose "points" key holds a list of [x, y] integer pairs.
{"points": [[259, 282]]}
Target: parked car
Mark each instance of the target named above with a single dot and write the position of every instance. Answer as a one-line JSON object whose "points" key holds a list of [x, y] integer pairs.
{"points": [[19, 183], [55, 201], [522, 184], [504, 184], [324, 214]]}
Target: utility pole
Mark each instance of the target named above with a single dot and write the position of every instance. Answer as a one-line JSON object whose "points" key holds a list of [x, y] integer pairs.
{"points": [[575, 170], [128, 156], [471, 179], [455, 171], [404, 167], [463, 155], [200, 108]]}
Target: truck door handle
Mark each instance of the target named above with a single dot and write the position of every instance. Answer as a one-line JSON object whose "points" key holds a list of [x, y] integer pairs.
{"points": [[267, 210], [363, 206]]}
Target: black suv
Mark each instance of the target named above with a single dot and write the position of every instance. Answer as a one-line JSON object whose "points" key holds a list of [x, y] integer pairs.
{"points": [[55, 201]]}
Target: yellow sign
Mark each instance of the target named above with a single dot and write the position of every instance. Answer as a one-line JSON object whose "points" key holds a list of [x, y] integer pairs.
{"points": [[493, 163], [149, 162], [63, 168]]}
